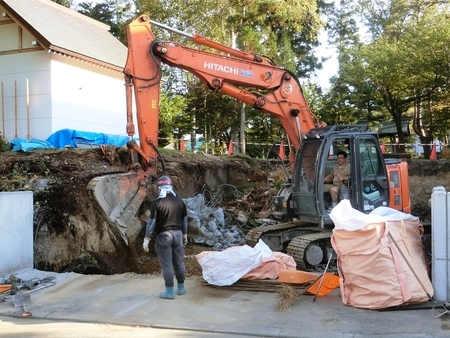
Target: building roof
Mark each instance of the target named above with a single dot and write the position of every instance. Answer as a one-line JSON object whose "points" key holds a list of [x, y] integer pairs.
{"points": [[67, 32], [390, 129]]}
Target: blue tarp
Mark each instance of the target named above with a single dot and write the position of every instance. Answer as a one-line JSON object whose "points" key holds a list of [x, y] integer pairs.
{"points": [[21, 144], [69, 138]]}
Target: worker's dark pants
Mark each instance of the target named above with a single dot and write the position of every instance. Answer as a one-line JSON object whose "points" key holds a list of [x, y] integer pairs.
{"points": [[170, 250]]}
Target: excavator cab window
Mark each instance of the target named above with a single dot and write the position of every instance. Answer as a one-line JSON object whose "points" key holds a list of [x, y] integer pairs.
{"points": [[341, 144], [303, 193], [373, 192]]}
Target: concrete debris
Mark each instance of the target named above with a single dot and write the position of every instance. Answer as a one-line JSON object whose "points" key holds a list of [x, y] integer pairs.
{"points": [[242, 218], [208, 225]]}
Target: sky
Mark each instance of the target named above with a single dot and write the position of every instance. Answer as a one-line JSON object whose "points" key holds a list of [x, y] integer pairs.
{"points": [[330, 67]]}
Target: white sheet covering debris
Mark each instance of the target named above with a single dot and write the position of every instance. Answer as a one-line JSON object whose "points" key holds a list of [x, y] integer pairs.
{"points": [[228, 266]]}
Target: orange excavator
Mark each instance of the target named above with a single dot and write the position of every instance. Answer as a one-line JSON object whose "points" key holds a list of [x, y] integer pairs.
{"points": [[255, 80]]}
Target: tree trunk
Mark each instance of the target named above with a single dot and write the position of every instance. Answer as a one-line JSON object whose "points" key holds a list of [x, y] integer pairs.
{"points": [[425, 138]]}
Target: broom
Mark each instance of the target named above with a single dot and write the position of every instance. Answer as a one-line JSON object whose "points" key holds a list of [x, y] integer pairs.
{"points": [[287, 296]]}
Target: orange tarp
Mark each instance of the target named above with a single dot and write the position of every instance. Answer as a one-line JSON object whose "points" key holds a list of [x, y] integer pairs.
{"points": [[329, 283], [4, 288], [297, 277]]}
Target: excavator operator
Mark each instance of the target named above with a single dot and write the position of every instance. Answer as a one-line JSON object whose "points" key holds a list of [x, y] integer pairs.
{"points": [[338, 176]]}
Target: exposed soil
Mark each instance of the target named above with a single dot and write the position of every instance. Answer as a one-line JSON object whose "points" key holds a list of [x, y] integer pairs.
{"points": [[70, 235]]}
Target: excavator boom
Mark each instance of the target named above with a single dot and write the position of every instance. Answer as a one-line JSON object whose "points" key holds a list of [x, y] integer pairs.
{"points": [[269, 88]]}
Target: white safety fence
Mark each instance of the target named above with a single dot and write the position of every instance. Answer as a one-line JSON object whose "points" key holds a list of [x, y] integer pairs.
{"points": [[440, 236]]}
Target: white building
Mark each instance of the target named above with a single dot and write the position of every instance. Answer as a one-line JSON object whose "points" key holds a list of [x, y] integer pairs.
{"points": [[58, 69]]}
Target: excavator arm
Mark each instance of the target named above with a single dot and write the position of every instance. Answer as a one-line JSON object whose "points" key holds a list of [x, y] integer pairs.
{"points": [[247, 77]]}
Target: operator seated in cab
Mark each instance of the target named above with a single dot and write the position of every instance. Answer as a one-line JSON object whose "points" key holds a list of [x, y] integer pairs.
{"points": [[337, 177]]}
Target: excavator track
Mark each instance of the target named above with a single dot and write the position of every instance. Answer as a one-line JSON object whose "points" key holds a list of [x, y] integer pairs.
{"points": [[306, 243], [278, 232], [310, 250]]}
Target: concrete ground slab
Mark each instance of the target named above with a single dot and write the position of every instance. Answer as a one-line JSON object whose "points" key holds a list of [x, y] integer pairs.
{"points": [[133, 300]]}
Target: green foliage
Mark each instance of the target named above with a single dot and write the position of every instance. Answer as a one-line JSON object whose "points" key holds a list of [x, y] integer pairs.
{"points": [[285, 32], [3, 144], [114, 13], [65, 3], [401, 68], [170, 109]]}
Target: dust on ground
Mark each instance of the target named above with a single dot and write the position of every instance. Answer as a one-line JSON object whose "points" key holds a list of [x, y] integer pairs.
{"points": [[70, 235]]}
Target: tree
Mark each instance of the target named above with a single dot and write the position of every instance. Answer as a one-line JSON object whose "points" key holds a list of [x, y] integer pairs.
{"points": [[431, 73], [351, 98], [403, 64], [65, 3], [169, 111], [113, 13], [285, 32]]}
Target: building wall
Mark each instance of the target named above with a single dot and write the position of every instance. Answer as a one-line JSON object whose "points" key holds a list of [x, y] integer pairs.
{"points": [[26, 114], [42, 93], [86, 97], [62, 93]]}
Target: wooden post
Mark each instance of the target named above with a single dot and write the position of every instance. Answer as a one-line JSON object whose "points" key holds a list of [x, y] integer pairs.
{"points": [[28, 112], [15, 109], [3, 114]]}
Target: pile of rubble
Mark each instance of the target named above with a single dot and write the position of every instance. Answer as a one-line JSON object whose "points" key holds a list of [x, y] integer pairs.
{"points": [[209, 226]]}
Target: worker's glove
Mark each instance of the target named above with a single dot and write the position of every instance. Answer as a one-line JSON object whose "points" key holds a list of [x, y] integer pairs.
{"points": [[146, 243], [184, 239]]}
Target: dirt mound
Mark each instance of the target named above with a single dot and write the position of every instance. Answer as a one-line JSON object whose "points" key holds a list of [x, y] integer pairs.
{"points": [[70, 235]]}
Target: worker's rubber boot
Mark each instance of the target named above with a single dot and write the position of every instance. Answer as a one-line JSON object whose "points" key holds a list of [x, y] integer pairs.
{"points": [[181, 290], [168, 294]]}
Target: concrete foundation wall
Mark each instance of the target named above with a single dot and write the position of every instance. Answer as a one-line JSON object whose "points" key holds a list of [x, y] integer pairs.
{"points": [[440, 234], [16, 232]]}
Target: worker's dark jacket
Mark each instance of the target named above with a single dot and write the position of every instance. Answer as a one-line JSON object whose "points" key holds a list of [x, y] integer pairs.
{"points": [[169, 213]]}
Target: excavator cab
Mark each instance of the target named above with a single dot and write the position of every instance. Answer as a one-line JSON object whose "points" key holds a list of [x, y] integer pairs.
{"points": [[367, 187], [373, 182]]}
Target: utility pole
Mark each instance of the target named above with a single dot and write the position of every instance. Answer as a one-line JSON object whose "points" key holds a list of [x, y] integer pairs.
{"points": [[242, 132]]}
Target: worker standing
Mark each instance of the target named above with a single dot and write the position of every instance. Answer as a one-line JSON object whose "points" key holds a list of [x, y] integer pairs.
{"points": [[168, 219]]}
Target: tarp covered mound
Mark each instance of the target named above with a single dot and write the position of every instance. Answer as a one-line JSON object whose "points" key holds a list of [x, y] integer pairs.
{"points": [[69, 138], [381, 260]]}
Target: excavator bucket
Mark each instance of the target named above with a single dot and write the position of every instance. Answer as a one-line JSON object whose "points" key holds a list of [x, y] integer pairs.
{"points": [[119, 197]]}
